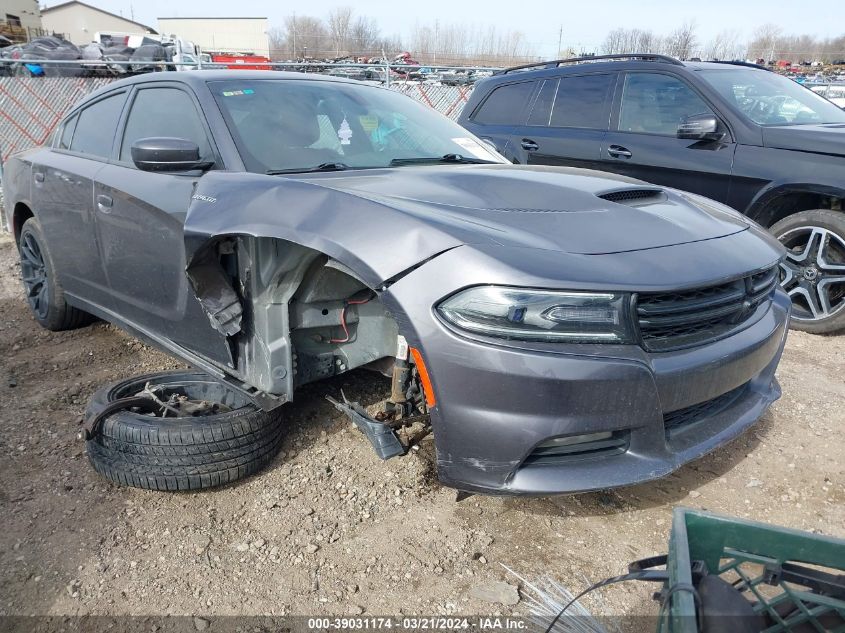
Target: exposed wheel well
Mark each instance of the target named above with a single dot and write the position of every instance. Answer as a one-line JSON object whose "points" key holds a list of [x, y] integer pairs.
{"points": [[20, 215], [788, 203]]}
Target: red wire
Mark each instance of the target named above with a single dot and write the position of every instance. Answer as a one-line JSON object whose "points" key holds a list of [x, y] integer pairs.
{"points": [[343, 321]]}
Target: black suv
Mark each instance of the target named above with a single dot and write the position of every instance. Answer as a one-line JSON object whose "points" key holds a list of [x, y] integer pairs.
{"points": [[733, 132]]}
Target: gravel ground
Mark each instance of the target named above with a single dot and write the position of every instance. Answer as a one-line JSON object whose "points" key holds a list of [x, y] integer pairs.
{"points": [[330, 529]]}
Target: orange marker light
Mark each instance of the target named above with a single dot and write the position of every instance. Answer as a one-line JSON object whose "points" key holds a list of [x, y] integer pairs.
{"points": [[424, 378]]}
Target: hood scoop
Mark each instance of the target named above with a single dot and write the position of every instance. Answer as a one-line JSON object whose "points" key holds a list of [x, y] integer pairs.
{"points": [[634, 197]]}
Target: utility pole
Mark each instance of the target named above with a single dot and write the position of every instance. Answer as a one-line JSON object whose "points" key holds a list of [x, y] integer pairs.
{"points": [[294, 36], [559, 40]]}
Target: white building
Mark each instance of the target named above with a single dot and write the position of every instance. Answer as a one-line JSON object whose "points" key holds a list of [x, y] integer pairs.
{"points": [[20, 19], [79, 22], [228, 35]]}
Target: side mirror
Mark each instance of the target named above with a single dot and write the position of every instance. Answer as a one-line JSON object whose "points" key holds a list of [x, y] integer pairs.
{"points": [[167, 154], [700, 127]]}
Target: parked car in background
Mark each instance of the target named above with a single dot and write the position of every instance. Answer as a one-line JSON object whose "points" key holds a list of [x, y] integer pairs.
{"points": [[568, 330], [835, 93], [733, 132]]}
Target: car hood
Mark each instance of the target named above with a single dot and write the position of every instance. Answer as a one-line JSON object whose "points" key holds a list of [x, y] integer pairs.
{"points": [[820, 139], [383, 222], [543, 207]]}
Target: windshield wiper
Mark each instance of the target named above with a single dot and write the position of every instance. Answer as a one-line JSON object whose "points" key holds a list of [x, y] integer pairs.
{"points": [[446, 158], [305, 170]]}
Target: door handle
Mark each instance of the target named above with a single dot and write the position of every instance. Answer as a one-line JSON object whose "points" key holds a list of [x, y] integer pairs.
{"points": [[529, 145], [38, 176], [617, 151], [104, 203]]}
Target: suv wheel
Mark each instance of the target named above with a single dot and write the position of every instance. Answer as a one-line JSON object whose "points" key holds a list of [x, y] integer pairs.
{"points": [[813, 272]]}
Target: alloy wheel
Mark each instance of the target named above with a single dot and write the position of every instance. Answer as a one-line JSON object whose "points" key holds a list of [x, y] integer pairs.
{"points": [[34, 273], [813, 273]]}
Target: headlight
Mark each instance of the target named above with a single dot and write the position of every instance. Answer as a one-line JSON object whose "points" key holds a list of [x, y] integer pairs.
{"points": [[540, 315]]}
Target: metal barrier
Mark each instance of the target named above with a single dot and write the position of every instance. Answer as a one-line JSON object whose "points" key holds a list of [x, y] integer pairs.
{"points": [[30, 107]]}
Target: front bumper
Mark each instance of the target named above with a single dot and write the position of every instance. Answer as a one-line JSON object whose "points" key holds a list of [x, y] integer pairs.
{"points": [[497, 403]]}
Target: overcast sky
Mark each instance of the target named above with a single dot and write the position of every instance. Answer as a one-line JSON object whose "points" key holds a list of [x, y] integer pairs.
{"points": [[584, 24]]}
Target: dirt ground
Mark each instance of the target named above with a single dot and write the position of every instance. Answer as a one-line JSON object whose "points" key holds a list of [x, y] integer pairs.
{"points": [[330, 529]]}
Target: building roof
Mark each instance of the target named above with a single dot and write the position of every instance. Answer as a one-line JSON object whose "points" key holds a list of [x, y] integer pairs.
{"points": [[61, 5]]}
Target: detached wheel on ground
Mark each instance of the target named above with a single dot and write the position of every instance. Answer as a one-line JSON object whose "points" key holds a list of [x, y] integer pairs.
{"points": [[43, 292], [179, 430], [814, 270]]}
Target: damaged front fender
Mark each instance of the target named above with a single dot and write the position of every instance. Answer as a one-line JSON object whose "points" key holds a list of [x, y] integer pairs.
{"points": [[372, 238]]}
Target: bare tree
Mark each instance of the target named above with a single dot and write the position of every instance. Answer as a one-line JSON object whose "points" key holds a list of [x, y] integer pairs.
{"points": [[300, 36], [682, 42], [764, 43], [364, 36], [726, 46], [339, 22], [621, 41]]}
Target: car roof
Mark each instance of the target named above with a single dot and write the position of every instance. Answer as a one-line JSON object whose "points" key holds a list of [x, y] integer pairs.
{"points": [[623, 62]]}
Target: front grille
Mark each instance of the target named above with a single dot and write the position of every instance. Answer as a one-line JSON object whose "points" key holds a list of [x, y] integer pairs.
{"points": [[632, 195], [671, 320], [560, 455], [676, 421]]}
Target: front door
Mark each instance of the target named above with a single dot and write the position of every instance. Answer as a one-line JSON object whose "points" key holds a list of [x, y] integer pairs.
{"points": [[643, 143], [140, 220]]}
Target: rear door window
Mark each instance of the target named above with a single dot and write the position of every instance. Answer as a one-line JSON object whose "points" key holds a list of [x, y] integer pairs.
{"points": [[163, 111], [67, 133], [653, 103], [542, 108], [583, 102], [96, 125], [505, 104]]}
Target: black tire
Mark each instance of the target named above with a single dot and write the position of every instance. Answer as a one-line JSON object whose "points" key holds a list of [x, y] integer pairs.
{"points": [[816, 260], [43, 292], [181, 453]]}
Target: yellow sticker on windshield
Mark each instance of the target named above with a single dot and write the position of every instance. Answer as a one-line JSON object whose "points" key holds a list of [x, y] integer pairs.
{"points": [[368, 121]]}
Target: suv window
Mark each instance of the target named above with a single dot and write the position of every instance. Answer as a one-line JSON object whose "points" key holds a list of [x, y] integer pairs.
{"points": [[504, 104], [542, 109], [163, 112], [67, 133], [95, 126], [655, 104], [582, 102]]}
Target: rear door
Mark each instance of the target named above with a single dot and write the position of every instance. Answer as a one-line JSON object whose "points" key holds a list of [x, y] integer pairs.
{"points": [[567, 122], [140, 220], [500, 113], [63, 195], [643, 143]]}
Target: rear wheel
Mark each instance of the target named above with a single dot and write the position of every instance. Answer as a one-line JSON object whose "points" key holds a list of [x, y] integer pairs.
{"points": [[813, 272], [43, 292]]}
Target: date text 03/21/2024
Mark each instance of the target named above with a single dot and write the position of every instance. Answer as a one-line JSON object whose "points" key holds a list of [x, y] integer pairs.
{"points": [[433, 623]]}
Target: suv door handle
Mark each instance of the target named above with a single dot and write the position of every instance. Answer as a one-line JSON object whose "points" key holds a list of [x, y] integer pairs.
{"points": [[529, 145], [617, 151], [104, 203], [38, 176]]}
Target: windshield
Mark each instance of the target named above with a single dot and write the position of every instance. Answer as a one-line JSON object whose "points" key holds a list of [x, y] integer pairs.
{"points": [[290, 125], [769, 99]]}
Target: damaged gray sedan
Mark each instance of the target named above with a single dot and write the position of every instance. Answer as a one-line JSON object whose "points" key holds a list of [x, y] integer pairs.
{"points": [[564, 330]]}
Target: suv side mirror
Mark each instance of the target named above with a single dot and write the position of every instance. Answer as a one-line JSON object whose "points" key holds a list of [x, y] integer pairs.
{"points": [[167, 154], [701, 127]]}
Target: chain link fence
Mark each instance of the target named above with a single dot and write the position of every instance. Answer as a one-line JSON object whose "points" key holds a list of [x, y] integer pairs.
{"points": [[30, 107]]}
